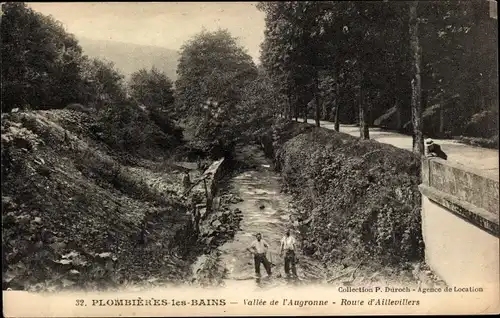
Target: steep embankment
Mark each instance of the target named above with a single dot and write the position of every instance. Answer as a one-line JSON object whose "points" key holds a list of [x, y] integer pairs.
{"points": [[356, 201], [74, 216]]}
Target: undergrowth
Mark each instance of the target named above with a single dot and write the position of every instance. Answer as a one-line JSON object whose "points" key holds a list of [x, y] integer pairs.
{"points": [[73, 216], [359, 200], [491, 143]]}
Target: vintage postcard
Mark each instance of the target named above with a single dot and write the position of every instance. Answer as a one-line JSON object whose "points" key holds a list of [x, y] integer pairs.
{"points": [[249, 158]]}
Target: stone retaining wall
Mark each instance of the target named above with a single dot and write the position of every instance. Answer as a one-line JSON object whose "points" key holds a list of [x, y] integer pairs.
{"points": [[460, 221], [211, 176]]}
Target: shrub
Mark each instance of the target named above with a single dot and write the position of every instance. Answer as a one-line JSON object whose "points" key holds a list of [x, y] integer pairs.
{"points": [[480, 142], [482, 125], [164, 122], [128, 128], [361, 197]]}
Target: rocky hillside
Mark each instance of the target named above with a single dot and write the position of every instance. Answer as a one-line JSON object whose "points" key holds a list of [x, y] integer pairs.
{"points": [[74, 215]]}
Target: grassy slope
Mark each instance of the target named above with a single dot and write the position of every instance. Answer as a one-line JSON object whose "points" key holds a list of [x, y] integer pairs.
{"points": [[72, 214]]}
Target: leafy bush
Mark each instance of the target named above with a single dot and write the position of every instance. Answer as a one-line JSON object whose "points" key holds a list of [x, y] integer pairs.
{"points": [[128, 128], [153, 91], [483, 125], [166, 125], [480, 142], [359, 198]]}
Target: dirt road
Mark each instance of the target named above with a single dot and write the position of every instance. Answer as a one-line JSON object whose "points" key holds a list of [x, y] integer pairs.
{"points": [[483, 159]]}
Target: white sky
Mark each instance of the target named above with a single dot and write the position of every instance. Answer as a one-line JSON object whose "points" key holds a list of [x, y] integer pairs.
{"points": [[165, 24]]}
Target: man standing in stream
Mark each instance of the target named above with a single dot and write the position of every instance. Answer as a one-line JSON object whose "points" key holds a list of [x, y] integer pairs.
{"points": [[259, 249], [288, 244]]}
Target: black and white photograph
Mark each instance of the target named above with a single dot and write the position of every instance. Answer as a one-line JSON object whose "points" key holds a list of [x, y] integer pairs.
{"points": [[259, 158]]}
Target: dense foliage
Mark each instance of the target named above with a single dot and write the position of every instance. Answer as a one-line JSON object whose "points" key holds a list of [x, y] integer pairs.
{"points": [[80, 173], [43, 66], [356, 61], [154, 92], [103, 85], [358, 199], [152, 88], [128, 128], [214, 73]]}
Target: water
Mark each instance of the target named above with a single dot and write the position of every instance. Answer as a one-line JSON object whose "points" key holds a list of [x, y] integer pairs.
{"points": [[265, 210]]}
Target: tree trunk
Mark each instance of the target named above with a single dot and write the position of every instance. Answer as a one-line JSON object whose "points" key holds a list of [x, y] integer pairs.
{"points": [[297, 106], [289, 111], [363, 118], [416, 82], [285, 106], [441, 116], [398, 114], [325, 114], [337, 109], [423, 106], [289, 114], [304, 108], [316, 99]]}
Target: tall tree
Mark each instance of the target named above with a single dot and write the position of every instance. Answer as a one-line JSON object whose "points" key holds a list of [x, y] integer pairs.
{"points": [[103, 84], [213, 72], [40, 61], [43, 66], [212, 64], [279, 52], [258, 107], [368, 48], [416, 85], [291, 53], [152, 88]]}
